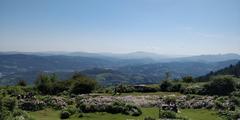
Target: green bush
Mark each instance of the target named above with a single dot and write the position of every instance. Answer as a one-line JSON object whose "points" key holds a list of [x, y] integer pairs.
{"points": [[187, 79], [54, 102], [17, 114], [115, 107], [82, 85], [221, 85], [47, 84], [8, 110], [170, 99], [145, 89], [14, 90], [80, 115], [33, 105], [176, 87], [230, 115], [10, 103], [165, 85], [64, 115], [235, 100], [71, 109], [168, 114], [21, 83], [192, 90], [123, 89], [236, 93]]}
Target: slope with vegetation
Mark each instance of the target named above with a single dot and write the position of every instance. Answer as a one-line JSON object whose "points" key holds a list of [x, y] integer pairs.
{"points": [[82, 97]]}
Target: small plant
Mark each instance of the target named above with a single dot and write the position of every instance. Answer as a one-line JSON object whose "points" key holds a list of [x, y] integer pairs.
{"points": [[167, 114], [22, 83], [10, 103], [149, 118], [80, 115], [72, 110], [64, 115]]}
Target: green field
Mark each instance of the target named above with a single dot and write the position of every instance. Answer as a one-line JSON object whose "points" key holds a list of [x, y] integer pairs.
{"points": [[192, 114]]}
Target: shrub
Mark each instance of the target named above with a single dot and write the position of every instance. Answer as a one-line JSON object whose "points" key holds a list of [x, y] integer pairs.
{"points": [[72, 110], [168, 114], [115, 107], [220, 86], [124, 89], [10, 103], [149, 118], [236, 93], [165, 85], [14, 90], [219, 105], [22, 83], [55, 102], [235, 100], [3, 112], [187, 79], [64, 115], [176, 87], [32, 105], [170, 99], [80, 115], [83, 85], [192, 90], [230, 115], [46, 84], [131, 110], [145, 89], [17, 114]]}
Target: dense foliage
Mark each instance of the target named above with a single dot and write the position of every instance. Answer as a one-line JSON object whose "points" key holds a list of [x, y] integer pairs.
{"points": [[82, 84], [221, 85], [231, 70], [48, 84]]}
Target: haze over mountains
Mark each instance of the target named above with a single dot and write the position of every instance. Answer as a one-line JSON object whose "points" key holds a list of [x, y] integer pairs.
{"points": [[137, 55], [108, 68]]}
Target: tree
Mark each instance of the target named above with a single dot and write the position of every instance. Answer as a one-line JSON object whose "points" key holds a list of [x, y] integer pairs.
{"points": [[220, 85], [45, 82], [187, 79], [165, 85], [82, 84], [22, 83]]}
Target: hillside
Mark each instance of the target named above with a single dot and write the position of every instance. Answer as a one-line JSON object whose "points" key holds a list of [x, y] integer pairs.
{"points": [[14, 67], [153, 73], [233, 69]]}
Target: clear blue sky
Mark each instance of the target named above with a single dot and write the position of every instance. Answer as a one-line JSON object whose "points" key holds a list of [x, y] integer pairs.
{"points": [[121, 26]]}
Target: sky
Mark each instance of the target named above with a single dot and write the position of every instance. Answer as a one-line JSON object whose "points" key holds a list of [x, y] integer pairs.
{"points": [[176, 27]]}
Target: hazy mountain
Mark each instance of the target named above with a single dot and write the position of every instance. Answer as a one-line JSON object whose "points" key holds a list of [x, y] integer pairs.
{"points": [[151, 57], [211, 58], [133, 67], [138, 55], [177, 69]]}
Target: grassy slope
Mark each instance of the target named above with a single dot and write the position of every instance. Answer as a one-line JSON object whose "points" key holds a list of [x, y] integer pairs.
{"points": [[199, 114]]}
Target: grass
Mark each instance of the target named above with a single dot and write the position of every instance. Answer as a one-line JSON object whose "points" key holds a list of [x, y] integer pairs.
{"points": [[200, 114], [192, 114]]}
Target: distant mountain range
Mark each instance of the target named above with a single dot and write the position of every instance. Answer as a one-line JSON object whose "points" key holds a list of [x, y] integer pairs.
{"points": [[137, 55], [138, 67]]}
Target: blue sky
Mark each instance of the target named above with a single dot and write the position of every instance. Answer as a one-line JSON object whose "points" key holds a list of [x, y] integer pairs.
{"points": [[183, 27]]}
